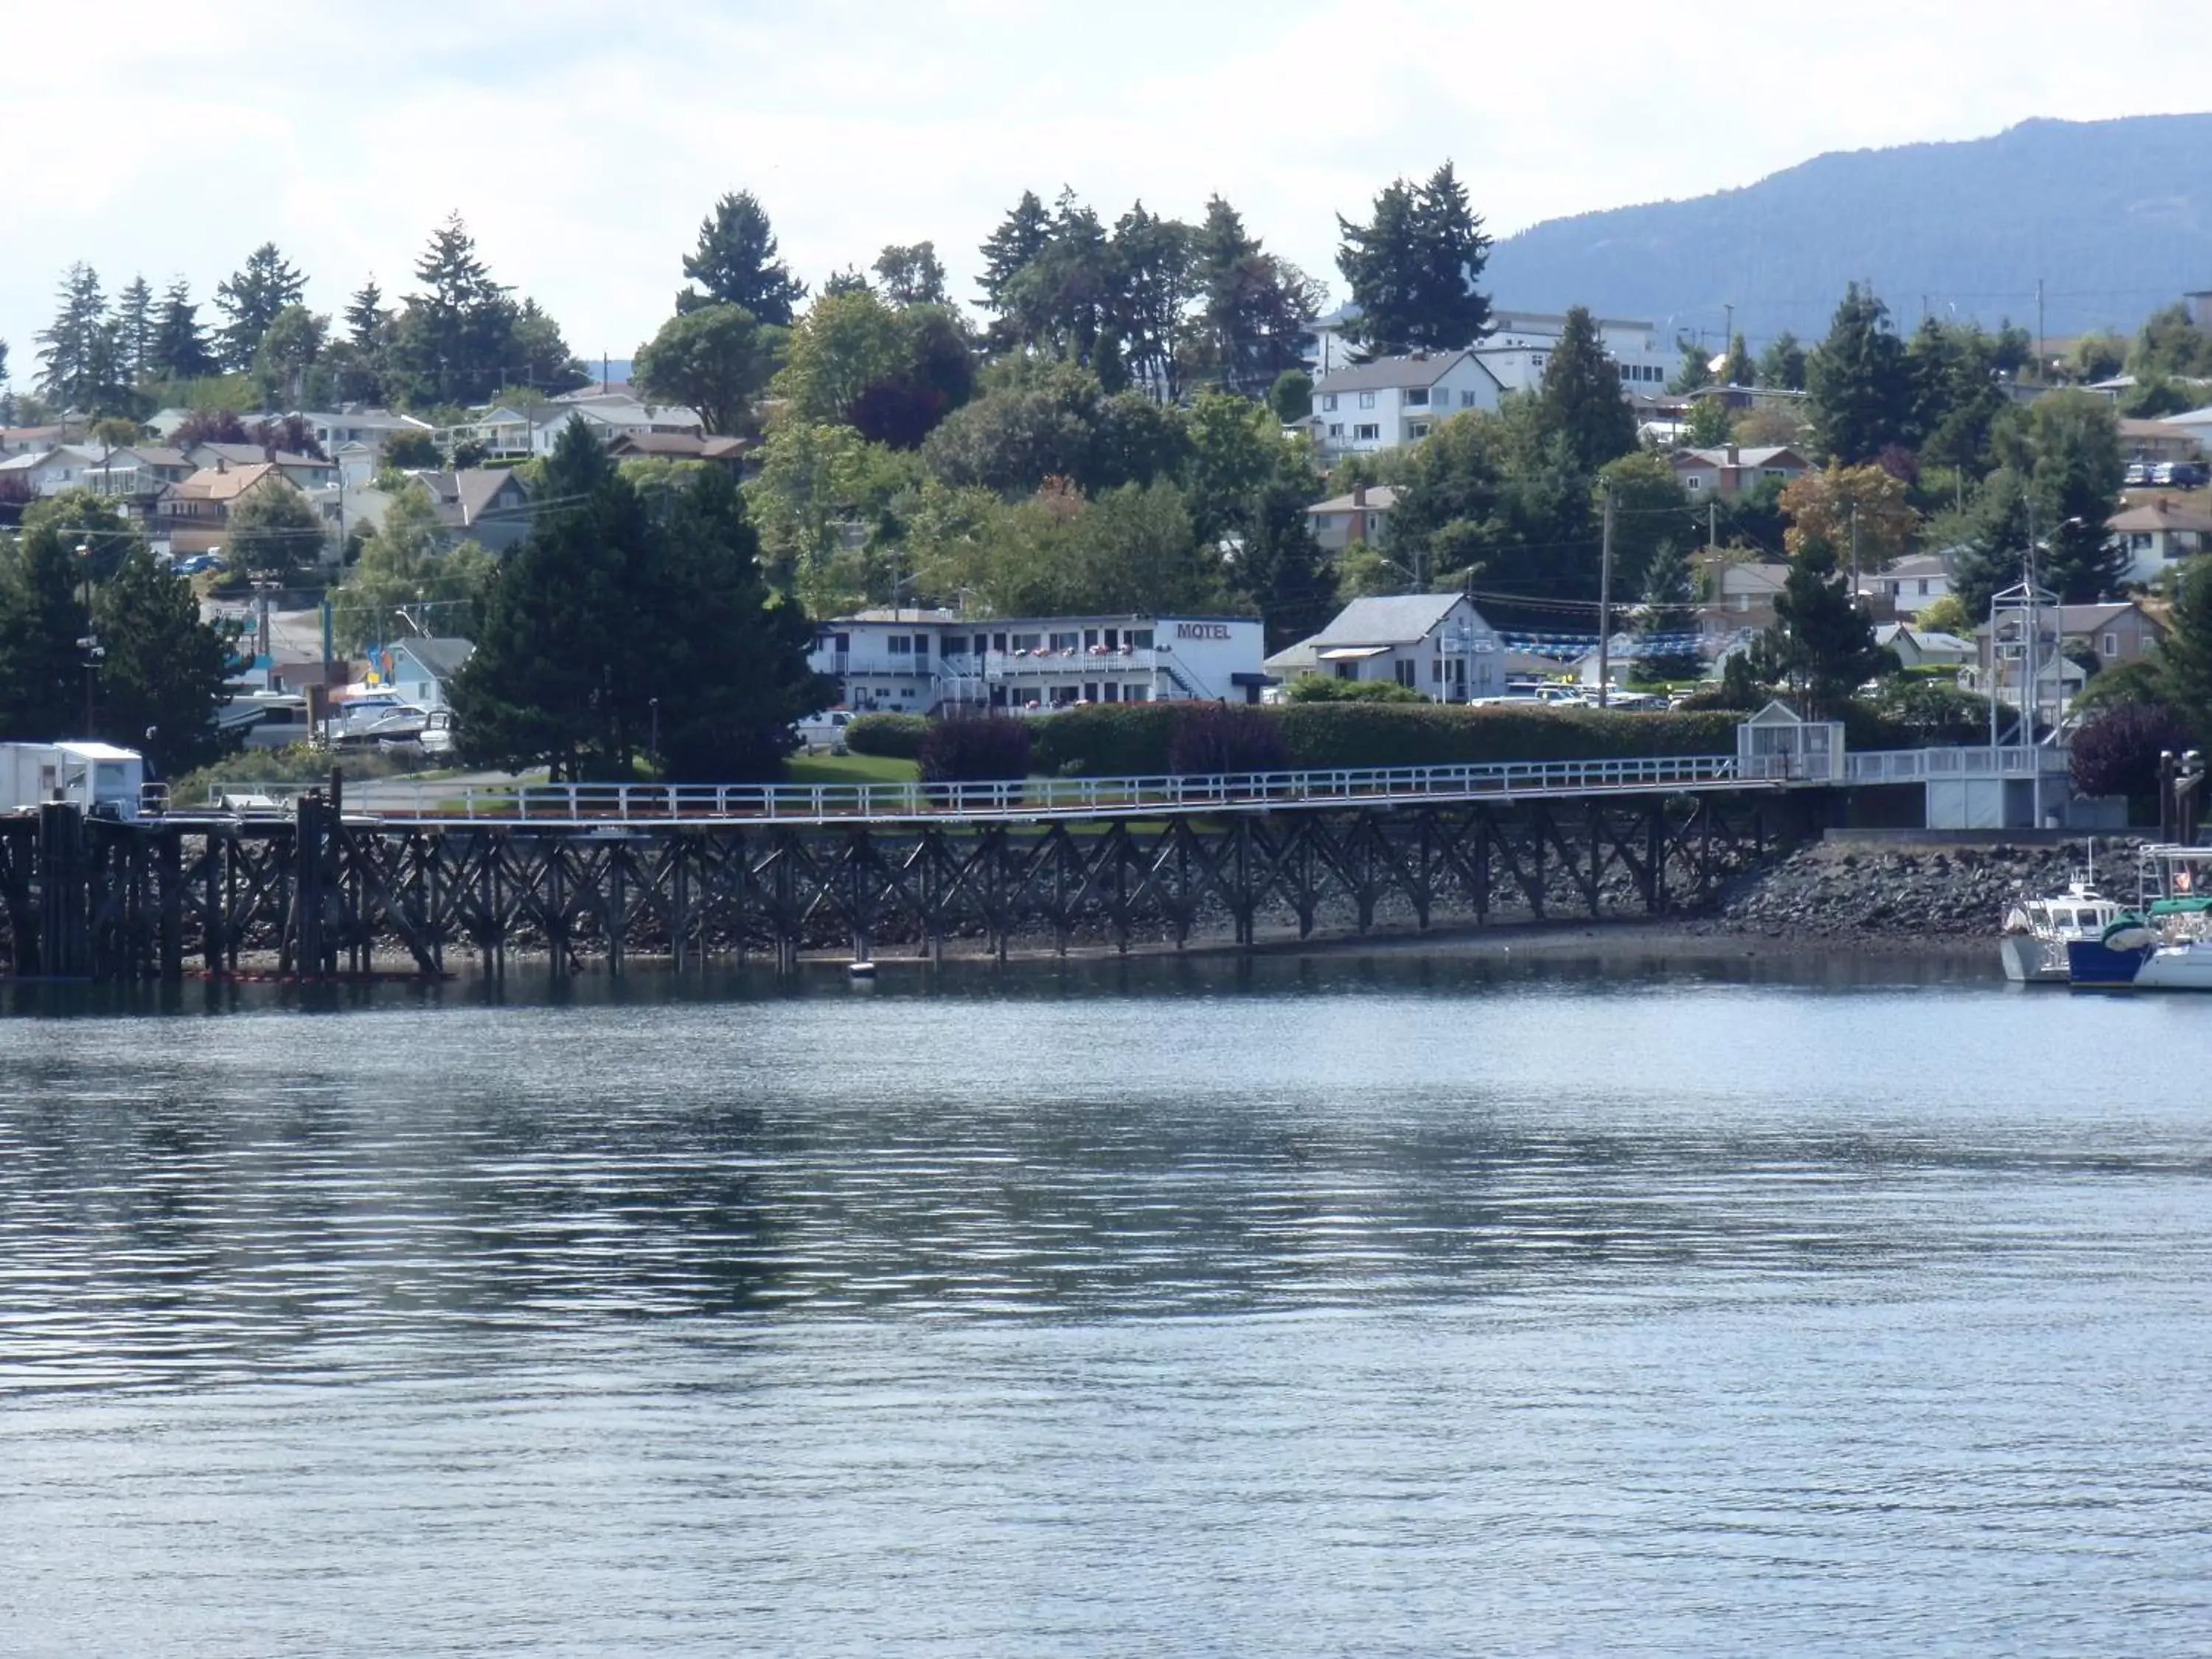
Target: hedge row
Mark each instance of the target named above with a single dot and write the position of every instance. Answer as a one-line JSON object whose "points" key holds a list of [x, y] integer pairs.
{"points": [[1109, 740], [895, 736]]}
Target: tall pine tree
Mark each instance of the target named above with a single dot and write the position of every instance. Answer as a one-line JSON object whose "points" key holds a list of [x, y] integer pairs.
{"points": [[736, 263], [134, 330], [1413, 267], [252, 298], [77, 351], [1861, 391], [180, 348], [1580, 403]]}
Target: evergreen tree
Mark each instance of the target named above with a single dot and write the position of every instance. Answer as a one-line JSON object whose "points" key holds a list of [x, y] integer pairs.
{"points": [[736, 265], [404, 562], [2184, 657], [1862, 393], [135, 331], [538, 354], [1153, 281], [1253, 307], [1279, 567], [608, 607], [1781, 364], [912, 274], [164, 672], [79, 350], [180, 348], [1414, 266], [1579, 402], [455, 341], [1695, 371], [1018, 240], [2069, 447], [367, 321], [41, 619], [1063, 302], [1826, 633], [252, 299], [849, 280], [1736, 367], [1668, 615]]}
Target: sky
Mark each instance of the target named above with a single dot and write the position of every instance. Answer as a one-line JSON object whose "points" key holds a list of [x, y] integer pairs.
{"points": [[583, 141]]}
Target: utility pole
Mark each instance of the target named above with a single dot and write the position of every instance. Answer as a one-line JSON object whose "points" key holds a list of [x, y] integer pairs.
{"points": [[1855, 552], [2039, 369], [1728, 329], [1713, 526], [1605, 608]]}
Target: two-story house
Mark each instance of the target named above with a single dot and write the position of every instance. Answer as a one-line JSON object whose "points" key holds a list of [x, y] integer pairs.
{"points": [[1910, 585], [1359, 517], [301, 471], [1395, 400], [922, 661], [193, 516]]}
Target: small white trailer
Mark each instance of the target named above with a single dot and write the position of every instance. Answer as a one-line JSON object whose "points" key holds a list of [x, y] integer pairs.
{"points": [[97, 778]]}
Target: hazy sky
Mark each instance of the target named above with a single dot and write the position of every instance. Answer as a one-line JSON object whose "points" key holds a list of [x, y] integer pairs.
{"points": [[583, 141]]}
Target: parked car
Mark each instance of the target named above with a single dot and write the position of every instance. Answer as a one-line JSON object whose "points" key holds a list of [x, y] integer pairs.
{"points": [[2192, 475], [2137, 475], [824, 733]]}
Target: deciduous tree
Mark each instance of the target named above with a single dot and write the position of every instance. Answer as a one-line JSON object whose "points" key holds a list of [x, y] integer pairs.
{"points": [[912, 274], [276, 531], [715, 359]]}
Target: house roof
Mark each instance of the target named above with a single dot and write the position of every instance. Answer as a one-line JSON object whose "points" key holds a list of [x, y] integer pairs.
{"points": [[1767, 455], [2154, 429], [679, 445], [474, 491], [1380, 498], [212, 483], [2190, 418], [443, 657], [1389, 374], [1919, 564], [2159, 513], [1769, 574], [254, 455], [2087, 618], [1398, 619]]}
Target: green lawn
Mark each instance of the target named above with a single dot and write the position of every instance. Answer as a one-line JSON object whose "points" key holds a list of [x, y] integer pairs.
{"points": [[850, 768]]}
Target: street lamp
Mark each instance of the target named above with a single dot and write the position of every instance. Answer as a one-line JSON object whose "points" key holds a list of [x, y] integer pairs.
{"points": [[653, 703]]}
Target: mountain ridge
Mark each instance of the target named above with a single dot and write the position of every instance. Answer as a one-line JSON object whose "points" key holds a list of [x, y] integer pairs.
{"points": [[2114, 217]]}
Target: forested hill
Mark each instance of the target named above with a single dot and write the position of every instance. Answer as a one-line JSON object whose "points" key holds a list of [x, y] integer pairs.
{"points": [[2114, 217]]}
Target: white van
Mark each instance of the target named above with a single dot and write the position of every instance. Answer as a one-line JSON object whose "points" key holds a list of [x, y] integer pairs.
{"points": [[824, 733]]}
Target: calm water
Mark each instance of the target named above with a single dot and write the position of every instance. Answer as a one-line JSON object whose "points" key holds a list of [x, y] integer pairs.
{"points": [[1384, 1307]]}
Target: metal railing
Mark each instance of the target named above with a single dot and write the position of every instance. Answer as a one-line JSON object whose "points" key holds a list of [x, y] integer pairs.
{"points": [[1919, 765], [1027, 798]]}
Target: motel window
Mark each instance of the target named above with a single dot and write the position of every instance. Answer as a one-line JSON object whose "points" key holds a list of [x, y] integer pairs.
{"points": [[1113, 690], [998, 641], [901, 646], [1091, 691], [921, 644], [1140, 639], [1368, 432], [1067, 641], [1136, 694]]}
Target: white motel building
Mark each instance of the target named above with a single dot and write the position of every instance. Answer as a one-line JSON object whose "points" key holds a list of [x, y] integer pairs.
{"points": [[919, 661]]}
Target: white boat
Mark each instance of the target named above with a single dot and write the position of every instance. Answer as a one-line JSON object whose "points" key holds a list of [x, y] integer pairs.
{"points": [[2164, 944], [2037, 932]]}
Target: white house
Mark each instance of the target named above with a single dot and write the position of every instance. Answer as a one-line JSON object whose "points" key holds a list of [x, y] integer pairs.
{"points": [[370, 429], [50, 471], [1910, 585], [1518, 345], [2159, 533], [1437, 644], [921, 661], [2197, 422], [1395, 400], [1924, 647]]}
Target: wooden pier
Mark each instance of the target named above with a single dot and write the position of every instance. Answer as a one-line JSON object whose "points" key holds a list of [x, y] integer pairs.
{"points": [[317, 891]]}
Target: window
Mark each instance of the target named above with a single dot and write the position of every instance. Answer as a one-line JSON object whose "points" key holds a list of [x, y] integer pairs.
{"points": [[840, 643], [1113, 690], [1140, 639], [1418, 395], [1695, 481], [2110, 646], [1924, 587], [901, 646], [1136, 694], [1404, 673], [1067, 641], [1420, 429], [1466, 400], [921, 644], [1336, 429], [1328, 403], [1369, 433], [1367, 400]]}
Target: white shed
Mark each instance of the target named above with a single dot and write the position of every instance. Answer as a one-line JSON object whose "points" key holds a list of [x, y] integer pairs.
{"points": [[1777, 742], [98, 777]]}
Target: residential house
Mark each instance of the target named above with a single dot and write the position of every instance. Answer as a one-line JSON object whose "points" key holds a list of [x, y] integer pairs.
{"points": [[1910, 585], [485, 505], [300, 472], [2114, 634], [194, 516], [610, 417], [1725, 473], [1395, 400], [729, 452], [47, 471], [1359, 517], [140, 473], [369, 428], [2158, 533], [2161, 440], [37, 439], [1924, 647], [2197, 422], [421, 670], [1515, 351], [923, 660], [1743, 602], [1438, 644]]}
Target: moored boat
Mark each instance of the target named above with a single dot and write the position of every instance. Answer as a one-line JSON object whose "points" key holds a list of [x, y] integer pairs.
{"points": [[2039, 933], [2166, 943]]}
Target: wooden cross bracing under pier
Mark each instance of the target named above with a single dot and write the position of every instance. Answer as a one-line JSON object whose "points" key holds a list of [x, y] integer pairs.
{"points": [[322, 892]]}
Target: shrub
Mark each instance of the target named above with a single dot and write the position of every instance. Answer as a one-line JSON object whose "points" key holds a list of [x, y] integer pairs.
{"points": [[1930, 712], [1108, 739], [1323, 688], [893, 737], [2117, 753], [1214, 737], [974, 748]]}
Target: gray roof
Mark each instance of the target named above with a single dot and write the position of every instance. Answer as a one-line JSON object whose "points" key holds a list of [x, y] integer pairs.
{"points": [[443, 657], [1398, 619], [1389, 372]]}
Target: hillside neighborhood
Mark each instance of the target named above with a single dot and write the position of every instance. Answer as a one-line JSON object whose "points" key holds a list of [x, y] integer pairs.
{"points": [[1158, 473]]}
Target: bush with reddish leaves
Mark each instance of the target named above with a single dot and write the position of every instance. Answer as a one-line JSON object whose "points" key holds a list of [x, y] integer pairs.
{"points": [[1218, 737], [976, 749], [2117, 753]]}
